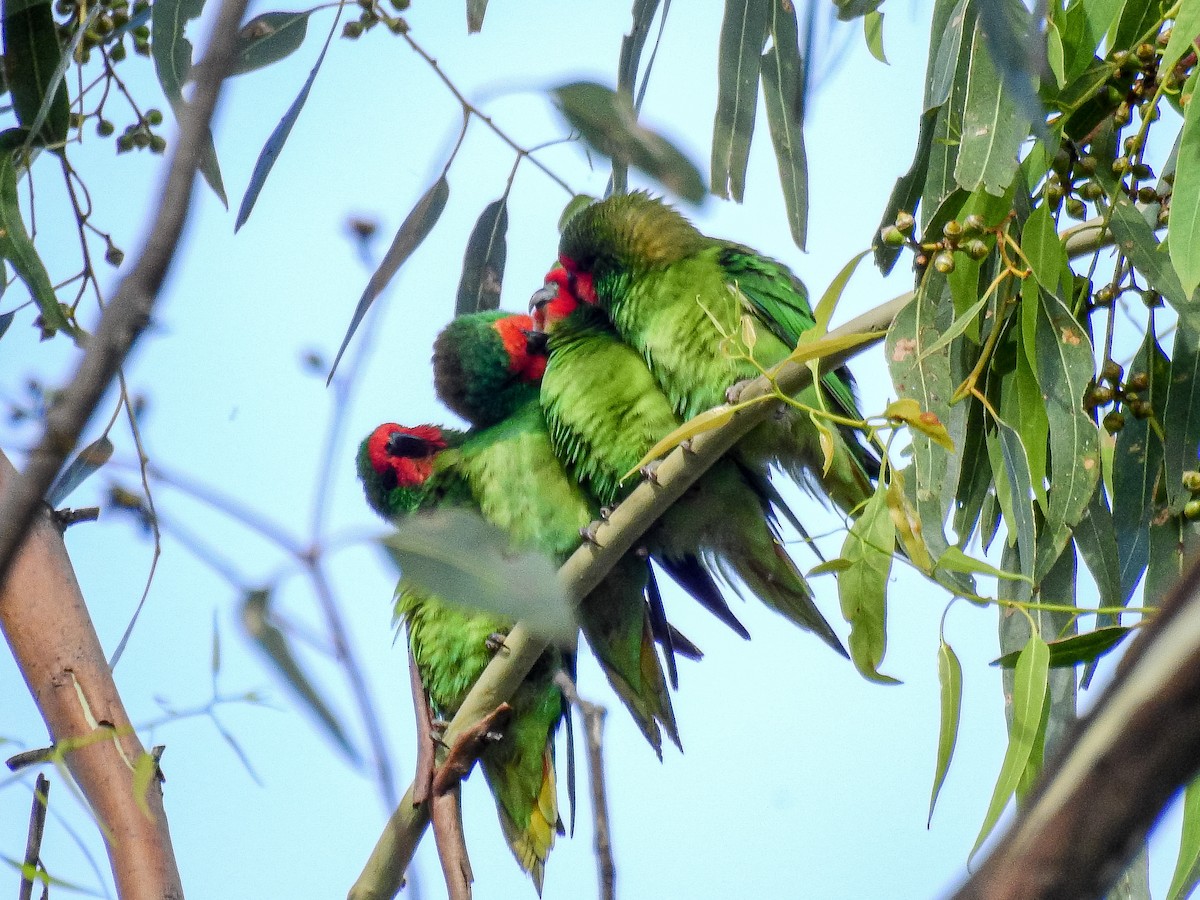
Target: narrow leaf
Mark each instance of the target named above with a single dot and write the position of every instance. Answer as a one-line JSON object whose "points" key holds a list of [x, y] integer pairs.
{"points": [[17, 247], [82, 467], [31, 56], [1183, 35], [955, 560], [873, 31], [6, 320], [475, 13], [927, 423], [1184, 225], [268, 38], [1065, 366], [1137, 241], [827, 346], [862, 588], [1097, 544], [275, 646], [705, 421], [413, 230], [829, 300], [457, 556], [607, 122], [993, 127], [483, 264], [1187, 864], [1076, 649], [743, 33], [172, 53], [274, 145], [1029, 696], [1014, 491], [1182, 413], [1018, 53], [782, 78], [950, 682]]}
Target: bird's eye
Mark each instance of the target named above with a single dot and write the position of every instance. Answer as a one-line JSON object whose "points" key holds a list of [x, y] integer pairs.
{"points": [[535, 342], [408, 445]]}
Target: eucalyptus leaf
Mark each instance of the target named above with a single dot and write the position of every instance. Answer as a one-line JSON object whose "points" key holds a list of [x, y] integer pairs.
{"points": [[32, 54], [476, 9], [483, 264], [275, 646], [461, 559], [950, 684], [862, 587], [1187, 864], [743, 33], [412, 232], [1184, 226], [1076, 649], [782, 78], [1182, 412], [90, 459], [268, 38], [606, 120]]}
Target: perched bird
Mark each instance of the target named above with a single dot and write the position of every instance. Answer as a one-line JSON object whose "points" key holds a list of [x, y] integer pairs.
{"points": [[404, 469], [676, 296], [485, 371], [605, 411]]}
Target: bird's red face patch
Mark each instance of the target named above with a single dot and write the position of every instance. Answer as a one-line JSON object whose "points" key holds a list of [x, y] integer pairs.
{"points": [[409, 470], [581, 284], [514, 332], [558, 303]]}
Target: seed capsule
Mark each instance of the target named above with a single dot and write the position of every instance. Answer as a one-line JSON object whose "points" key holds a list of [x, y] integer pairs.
{"points": [[1114, 422]]}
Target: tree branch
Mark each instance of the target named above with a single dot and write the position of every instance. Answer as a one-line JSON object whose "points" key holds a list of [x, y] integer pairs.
{"points": [[127, 316], [1122, 763], [46, 623], [383, 874]]}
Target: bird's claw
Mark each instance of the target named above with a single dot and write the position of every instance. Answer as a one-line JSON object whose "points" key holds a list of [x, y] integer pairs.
{"points": [[650, 470], [686, 446], [605, 512], [494, 642], [733, 393], [588, 533]]}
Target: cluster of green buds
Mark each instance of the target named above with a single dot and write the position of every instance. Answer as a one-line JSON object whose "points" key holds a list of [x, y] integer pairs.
{"points": [[1113, 387], [138, 136], [373, 15], [1072, 179], [966, 236], [1135, 80], [1191, 483], [109, 27]]}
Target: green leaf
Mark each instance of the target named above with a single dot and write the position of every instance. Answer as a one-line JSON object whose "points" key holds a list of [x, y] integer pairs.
{"points": [[457, 556], [1182, 413], [1184, 225], [950, 680], [993, 126], [1173, 542], [172, 53], [1187, 864], [873, 31], [1029, 696], [1014, 491], [607, 122], [1044, 249], [1065, 366], [862, 587], [954, 560], [1018, 53], [1136, 240], [1137, 463], [1183, 35], [1054, 54], [782, 78], [1096, 541], [275, 646], [274, 145], [743, 33], [412, 232], [483, 264], [925, 376], [17, 247], [82, 467], [1076, 649], [475, 13], [6, 320], [267, 39], [31, 56], [630, 59], [1021, 403], [852, 9]]}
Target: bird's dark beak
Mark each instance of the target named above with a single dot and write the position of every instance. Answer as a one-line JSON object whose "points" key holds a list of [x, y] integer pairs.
{"points": [[408, 445], [542, 296], [536, 343]]}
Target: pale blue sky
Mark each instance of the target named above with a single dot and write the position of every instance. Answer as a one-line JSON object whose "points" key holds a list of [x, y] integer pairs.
{"points": [[800, 779]]}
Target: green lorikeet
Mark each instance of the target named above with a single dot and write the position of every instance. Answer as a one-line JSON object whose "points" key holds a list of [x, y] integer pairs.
{"points": [[675, 294], [606, 411], [485, 372], [404, 469]]}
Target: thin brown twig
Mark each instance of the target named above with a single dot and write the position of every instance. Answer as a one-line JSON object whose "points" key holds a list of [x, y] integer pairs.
{"points": [[33, 843], [423, 779], [593, 729], [445, 812]]}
